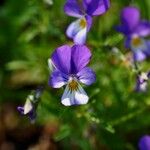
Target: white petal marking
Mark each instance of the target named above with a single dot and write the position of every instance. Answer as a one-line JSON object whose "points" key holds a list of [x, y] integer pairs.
{"points": [[80, 37], [66, 98], [75, 97], [81, 96], [27, 107]]}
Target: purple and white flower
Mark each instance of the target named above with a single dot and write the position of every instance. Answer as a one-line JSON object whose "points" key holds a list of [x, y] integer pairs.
{"points": [[70, 70], [142, 81], [135, 30], [31, 104], [144, 143], [84, 10]]}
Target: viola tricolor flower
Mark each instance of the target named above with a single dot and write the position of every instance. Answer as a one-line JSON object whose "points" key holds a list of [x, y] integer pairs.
{"points": [[31, 104], [70, 70], [142, 81], [144, 143], [84, 10], [135, 30]]}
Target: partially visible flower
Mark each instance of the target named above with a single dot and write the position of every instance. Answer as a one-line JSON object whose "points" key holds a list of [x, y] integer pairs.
{"points": [[70, 69], [31, 104], [135, 30], [84, 10], [142, 81], [144, 143]]}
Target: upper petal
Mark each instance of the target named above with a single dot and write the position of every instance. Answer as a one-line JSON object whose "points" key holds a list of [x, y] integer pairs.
{"points": [[89, 22], [72, 8], [96, 7], [58, 79], [61, 58], [143, 28], [130, 17], [80, 57], [86, 76]]}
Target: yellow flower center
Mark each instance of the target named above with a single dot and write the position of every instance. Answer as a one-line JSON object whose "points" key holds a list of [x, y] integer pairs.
{"points": [[136, 41], [73, 85], [82, 23]]}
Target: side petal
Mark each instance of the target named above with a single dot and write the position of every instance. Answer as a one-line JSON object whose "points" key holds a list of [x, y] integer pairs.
{"points": [[143, 29], [58, 79], [72, 8], [96, 7], [123, 29], [78, 97], [130, 17], [73, 28], [86, 76], [80, 57], [61, 58]]}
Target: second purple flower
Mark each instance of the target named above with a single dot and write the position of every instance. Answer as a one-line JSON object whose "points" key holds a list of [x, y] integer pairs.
{"points": [[84, 10]]}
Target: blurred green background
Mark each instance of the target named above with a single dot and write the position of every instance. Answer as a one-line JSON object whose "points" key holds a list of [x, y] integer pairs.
{"points": [[115, 117]]}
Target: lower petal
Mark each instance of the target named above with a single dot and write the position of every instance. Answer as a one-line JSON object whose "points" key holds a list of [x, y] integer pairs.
{"points": [[86, 76], [67, 97], [78, 97], [80, 37], [81, 96], [139, 56]]}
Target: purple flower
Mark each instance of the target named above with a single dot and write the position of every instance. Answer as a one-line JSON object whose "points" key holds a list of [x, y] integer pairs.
{"points": [[142, 81], [84, 10], [31, 104], [135, 30], [70, 69], [144, 143]]}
